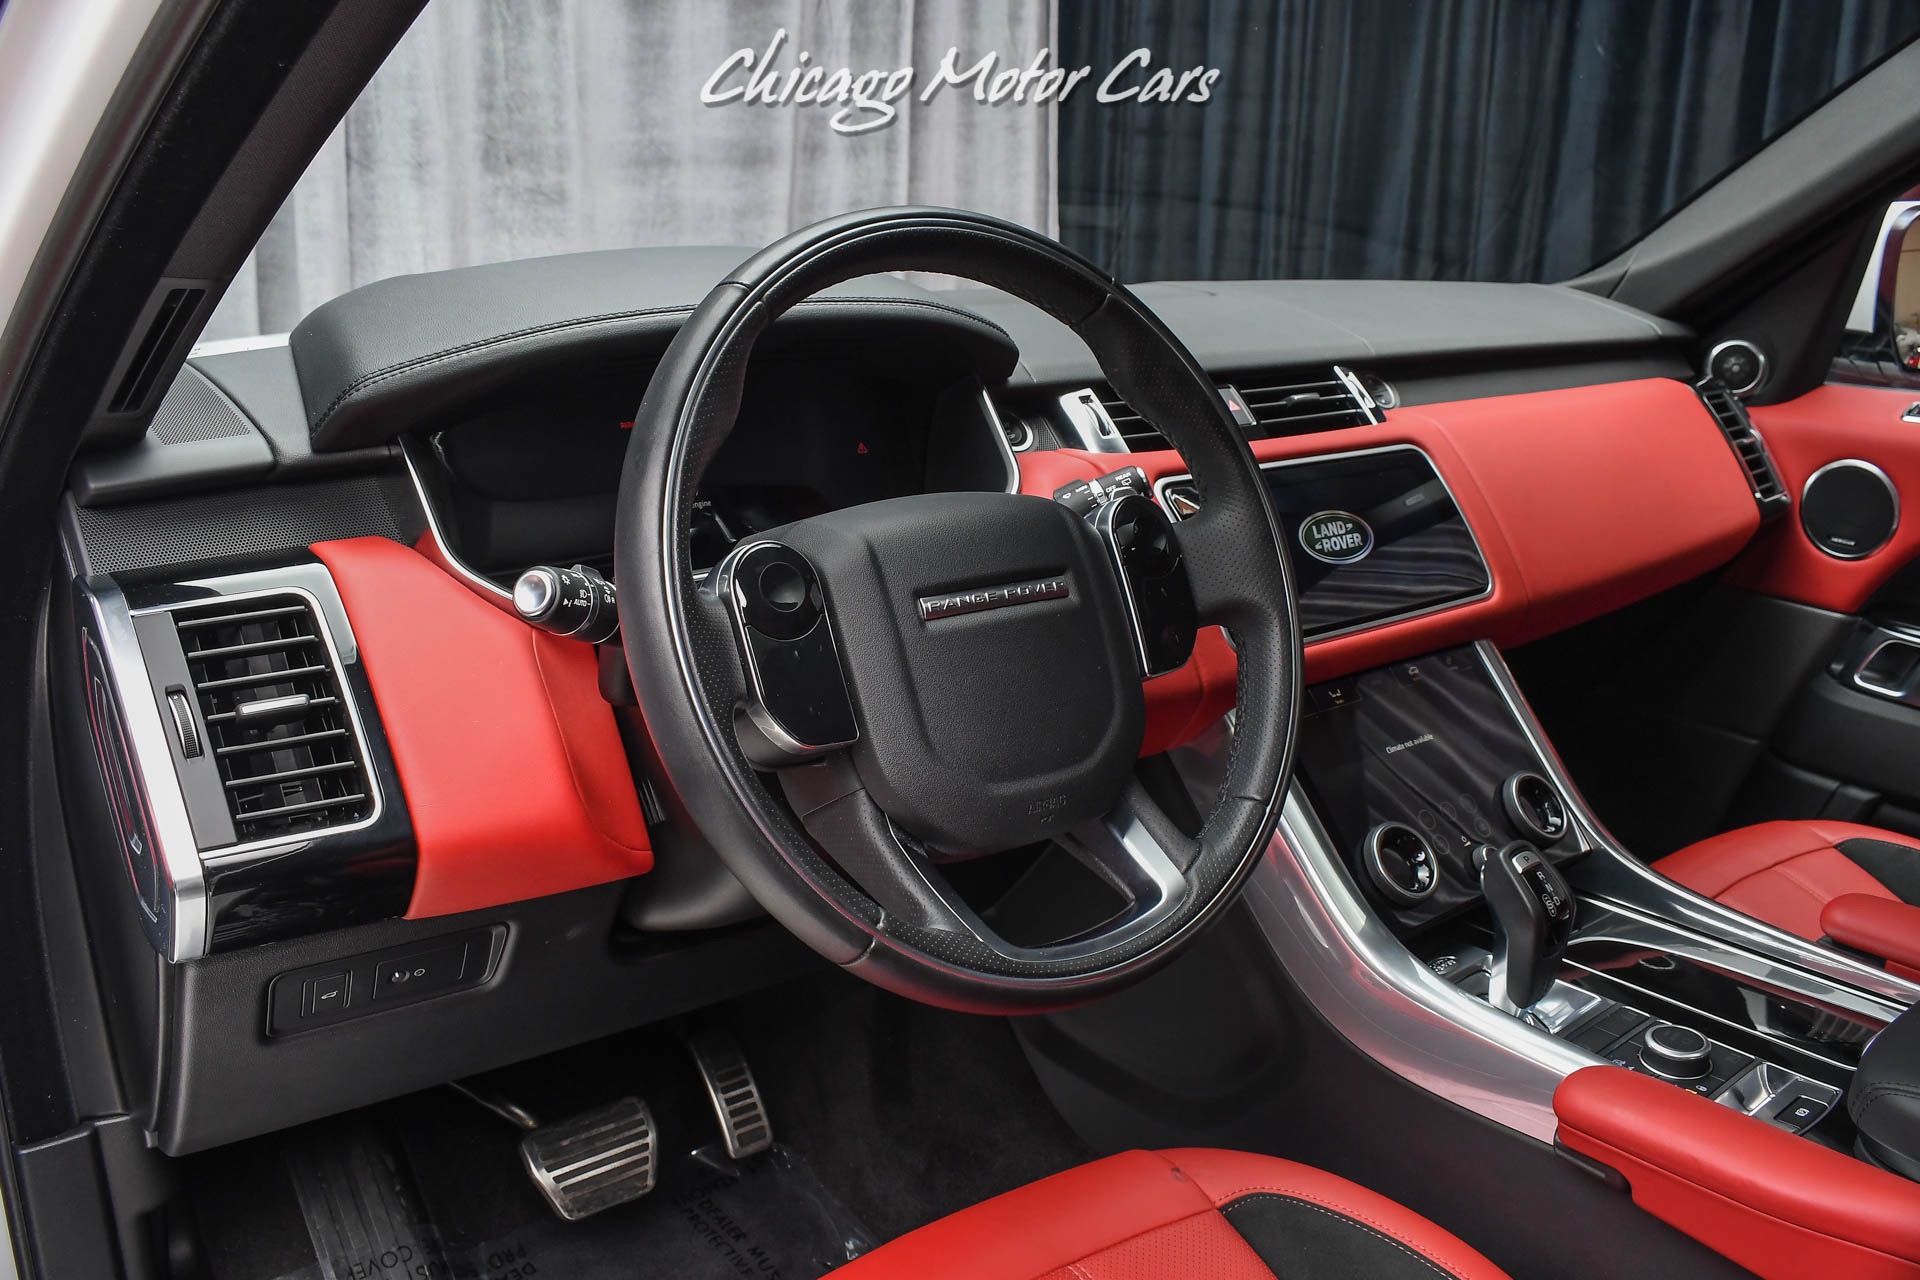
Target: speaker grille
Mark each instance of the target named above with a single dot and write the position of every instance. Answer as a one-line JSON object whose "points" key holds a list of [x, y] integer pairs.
{"points": [[194, 410]]}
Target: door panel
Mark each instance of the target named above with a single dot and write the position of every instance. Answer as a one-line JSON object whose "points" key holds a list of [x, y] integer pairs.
{"points": [[1827, 425], [1844, 749]]}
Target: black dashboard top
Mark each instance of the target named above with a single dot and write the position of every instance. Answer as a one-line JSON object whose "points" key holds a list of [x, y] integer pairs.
{"points": [[419, 354]]}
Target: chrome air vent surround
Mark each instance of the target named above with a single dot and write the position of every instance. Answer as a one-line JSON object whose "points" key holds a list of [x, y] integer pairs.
{"points": [[1263, 404], [251, 786], [1298, 407]]}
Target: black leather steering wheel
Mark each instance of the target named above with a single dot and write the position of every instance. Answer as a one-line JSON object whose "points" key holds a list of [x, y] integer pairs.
{"points": [[851, 702]]}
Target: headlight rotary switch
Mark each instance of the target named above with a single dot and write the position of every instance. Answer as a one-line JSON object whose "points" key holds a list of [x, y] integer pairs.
{"points": [[575, 602]]}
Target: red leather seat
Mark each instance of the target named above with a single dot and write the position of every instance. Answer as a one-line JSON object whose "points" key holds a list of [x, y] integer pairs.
{"points": [[1166, 1215], [1786, 872]]}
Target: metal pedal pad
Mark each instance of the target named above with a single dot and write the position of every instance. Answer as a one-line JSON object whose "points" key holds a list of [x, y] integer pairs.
{"points": [[736, 1097], [596, 1160]]}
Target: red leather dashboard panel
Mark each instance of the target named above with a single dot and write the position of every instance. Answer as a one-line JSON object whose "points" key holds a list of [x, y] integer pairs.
{"points": [[1778, 1205], [1583, 500], [514, 772], [1825, 425]]}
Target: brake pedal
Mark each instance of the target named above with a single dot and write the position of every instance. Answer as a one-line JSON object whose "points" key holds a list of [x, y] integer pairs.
{"points": [[586, 1164], [736, 1096], [594, 1161]]}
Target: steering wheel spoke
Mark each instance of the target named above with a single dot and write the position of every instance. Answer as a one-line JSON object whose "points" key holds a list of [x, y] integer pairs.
{"points": [[792, 693]]}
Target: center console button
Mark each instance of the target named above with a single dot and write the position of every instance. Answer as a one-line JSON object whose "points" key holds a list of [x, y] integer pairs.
{"points": [[1678, 1053], [419, 972]]}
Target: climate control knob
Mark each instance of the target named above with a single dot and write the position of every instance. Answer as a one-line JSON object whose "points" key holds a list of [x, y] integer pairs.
{"points": [[1534, 806], [1400, 863], [1678, 1053]]}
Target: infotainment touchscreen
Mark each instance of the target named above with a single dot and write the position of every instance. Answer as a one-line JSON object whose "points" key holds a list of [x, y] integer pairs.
{"points": [[1374, 536], [1428, 742]]}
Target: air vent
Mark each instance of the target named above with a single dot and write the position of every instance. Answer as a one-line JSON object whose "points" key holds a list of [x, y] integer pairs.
{"points": [[1769, 493], [278, 727], [1319, 404], [1140, 435]]}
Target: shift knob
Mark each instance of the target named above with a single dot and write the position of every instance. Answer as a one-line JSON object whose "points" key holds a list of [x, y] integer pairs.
{"points": [[1533, 911]]}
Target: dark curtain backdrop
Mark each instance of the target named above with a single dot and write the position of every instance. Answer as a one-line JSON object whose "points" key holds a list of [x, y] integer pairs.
{"points": [[1526, 140]]}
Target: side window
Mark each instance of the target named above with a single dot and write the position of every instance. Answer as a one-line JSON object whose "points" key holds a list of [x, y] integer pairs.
{"points": [[1882, 343]]}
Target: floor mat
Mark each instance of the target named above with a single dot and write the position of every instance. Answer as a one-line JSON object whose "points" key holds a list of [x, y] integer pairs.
{"points": [[892, 1115], [767, 1217]]}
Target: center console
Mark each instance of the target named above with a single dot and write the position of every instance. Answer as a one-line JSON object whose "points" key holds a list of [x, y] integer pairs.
{"points": [[1428, 794]]}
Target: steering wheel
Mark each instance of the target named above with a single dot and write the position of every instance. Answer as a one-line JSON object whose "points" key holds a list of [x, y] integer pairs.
{"points": [[850, 704]]}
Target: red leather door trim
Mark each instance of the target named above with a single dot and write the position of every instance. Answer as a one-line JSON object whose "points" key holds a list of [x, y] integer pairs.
{"points": [[1879, 926], [514, 773], [1779, 1205], [1804, 434]]}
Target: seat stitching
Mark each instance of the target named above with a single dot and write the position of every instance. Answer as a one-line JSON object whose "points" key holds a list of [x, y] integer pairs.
{"points": [[1359, 1220], [1141, 1234]]}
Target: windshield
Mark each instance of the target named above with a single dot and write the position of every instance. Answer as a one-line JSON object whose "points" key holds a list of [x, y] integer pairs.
{"points": [[1164, 139]]}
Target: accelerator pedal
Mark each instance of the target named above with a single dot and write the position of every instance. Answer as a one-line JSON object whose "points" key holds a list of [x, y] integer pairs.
{"points": [[589, 1163], [736, 1097]]}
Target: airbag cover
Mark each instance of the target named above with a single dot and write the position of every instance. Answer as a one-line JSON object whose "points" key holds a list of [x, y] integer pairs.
{"points": [[1010, 716]]}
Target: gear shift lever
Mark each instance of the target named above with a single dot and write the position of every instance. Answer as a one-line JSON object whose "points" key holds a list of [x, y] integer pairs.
{"points": [[1533, 919]]}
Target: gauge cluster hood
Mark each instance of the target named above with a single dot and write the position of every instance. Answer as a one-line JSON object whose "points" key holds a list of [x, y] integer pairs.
{"points": [[417, 351]]}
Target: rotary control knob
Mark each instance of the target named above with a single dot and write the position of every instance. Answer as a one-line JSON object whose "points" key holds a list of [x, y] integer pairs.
{"points": [[1677, 1053], [1400, 863], [574, 602], [1534, 806]]}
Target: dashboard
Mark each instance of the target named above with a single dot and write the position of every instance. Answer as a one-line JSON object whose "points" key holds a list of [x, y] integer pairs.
{"points": [[343, 508]]}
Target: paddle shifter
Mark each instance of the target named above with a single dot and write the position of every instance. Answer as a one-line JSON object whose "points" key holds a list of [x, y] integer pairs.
{"points": [[1532, 920]]}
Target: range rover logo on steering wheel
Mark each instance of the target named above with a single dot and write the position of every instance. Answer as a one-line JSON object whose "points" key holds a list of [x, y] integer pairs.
{"points": [[1337, 537], [956, 602]]}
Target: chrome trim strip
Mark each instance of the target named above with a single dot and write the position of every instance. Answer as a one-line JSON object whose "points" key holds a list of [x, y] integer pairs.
{"points": [[1669, 901], [1377, 994], [1886, 481], [490, 590], [1641, 929], [1889, 640], [179, 927], [1119, 844], [999, 429], [1761, 363], [1159, 495]]}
